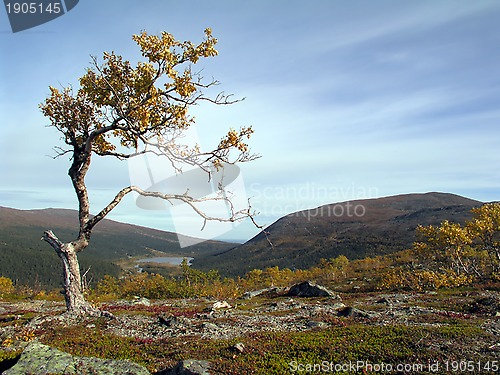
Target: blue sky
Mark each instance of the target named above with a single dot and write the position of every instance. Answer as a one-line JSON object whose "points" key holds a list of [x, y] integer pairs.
{"points": [[348, 99]]}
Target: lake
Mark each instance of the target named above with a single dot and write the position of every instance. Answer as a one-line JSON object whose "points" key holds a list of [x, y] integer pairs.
{"points": [[176, 261]]}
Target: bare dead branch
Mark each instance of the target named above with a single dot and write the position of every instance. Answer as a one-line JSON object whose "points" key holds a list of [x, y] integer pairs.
{"points": [[59, 152], [235, 215]]}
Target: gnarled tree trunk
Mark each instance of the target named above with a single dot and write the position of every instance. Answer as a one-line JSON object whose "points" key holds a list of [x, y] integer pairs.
{"points": [[73, 291]]}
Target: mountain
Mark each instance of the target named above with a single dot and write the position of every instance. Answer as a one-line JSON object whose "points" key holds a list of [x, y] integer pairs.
{"points": [[29, 261], [356, 229]]}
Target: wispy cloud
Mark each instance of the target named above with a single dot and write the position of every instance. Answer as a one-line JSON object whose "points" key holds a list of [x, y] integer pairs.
{"points": [[346, 96]]}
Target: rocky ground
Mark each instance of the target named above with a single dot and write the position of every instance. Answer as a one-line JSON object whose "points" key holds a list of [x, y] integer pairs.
{"points": [[461, 326]]}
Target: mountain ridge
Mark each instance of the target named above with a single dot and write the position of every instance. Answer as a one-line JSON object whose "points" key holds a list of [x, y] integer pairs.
{"points": [[355, 228]]}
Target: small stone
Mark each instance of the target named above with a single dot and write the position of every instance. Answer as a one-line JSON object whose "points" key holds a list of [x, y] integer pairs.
{"points": [[190, 367], [173, 321], [254, 293], [221, 305], [338, 306], [384, 300], [142, 301], [209, 326], [314, 324], [238, 348], [352, 312]]}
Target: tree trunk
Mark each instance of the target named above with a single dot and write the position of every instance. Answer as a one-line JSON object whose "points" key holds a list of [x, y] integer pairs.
{"points": [[73, 292]]}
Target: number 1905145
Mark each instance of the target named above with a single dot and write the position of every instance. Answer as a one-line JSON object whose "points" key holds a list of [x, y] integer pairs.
{"points": [[33, 8]]}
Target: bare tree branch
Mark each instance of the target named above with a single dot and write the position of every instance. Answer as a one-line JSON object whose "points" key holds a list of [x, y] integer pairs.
{"points": [[236, 215]]}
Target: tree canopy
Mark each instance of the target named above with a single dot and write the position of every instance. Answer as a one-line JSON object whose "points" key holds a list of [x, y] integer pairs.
{"points": [[123, 111]]}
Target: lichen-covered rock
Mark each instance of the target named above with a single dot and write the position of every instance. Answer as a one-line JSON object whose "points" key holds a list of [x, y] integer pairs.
{"points": [[352, 312], [41, 359], [190, 367], [309, 289], [271, 292], [142, 301]]}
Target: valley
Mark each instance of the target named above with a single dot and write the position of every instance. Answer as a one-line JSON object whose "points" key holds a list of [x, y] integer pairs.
{"points": [[114, 247]]}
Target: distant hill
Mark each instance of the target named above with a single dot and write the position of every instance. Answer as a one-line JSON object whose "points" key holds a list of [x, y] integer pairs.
{"points": [[27, 260], [356, 229]]}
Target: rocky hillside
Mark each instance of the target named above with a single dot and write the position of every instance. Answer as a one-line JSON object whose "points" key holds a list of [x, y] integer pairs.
{"points": [[356, 229], [275, 333]]}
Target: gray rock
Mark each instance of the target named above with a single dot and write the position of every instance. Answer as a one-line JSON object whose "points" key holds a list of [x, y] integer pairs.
{"points": [[253, 293], [338, 306], [385, 300], [209, 326], [41, 360], [486, 305], [190, 367], [142, 301], [238, 348], [221, 305], [310, 289], [174, 321], [315, 324], [352, 312], [272, 291]]}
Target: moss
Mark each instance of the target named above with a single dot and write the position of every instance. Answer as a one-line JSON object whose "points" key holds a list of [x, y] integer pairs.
{"points": [[274, 352]]}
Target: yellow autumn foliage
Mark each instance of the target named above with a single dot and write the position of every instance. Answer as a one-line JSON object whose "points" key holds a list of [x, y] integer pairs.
{"points": [[6, 286]]}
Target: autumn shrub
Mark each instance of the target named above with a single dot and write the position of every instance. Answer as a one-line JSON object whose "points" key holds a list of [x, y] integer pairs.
{"points": [[6, 286], [420, 280], [107, 288], [193, 283], [269, 277], [472, 248]]}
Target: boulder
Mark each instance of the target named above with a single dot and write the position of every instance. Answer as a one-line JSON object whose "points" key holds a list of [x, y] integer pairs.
{"points": [[42, 360], [269, 292], [310, 289], [190, 367]]}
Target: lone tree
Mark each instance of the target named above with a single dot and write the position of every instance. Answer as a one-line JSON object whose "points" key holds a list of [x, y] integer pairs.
{"points": [[123, 111]]}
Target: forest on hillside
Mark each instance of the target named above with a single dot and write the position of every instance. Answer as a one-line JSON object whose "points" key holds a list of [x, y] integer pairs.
{"points": [[445, 256]]}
